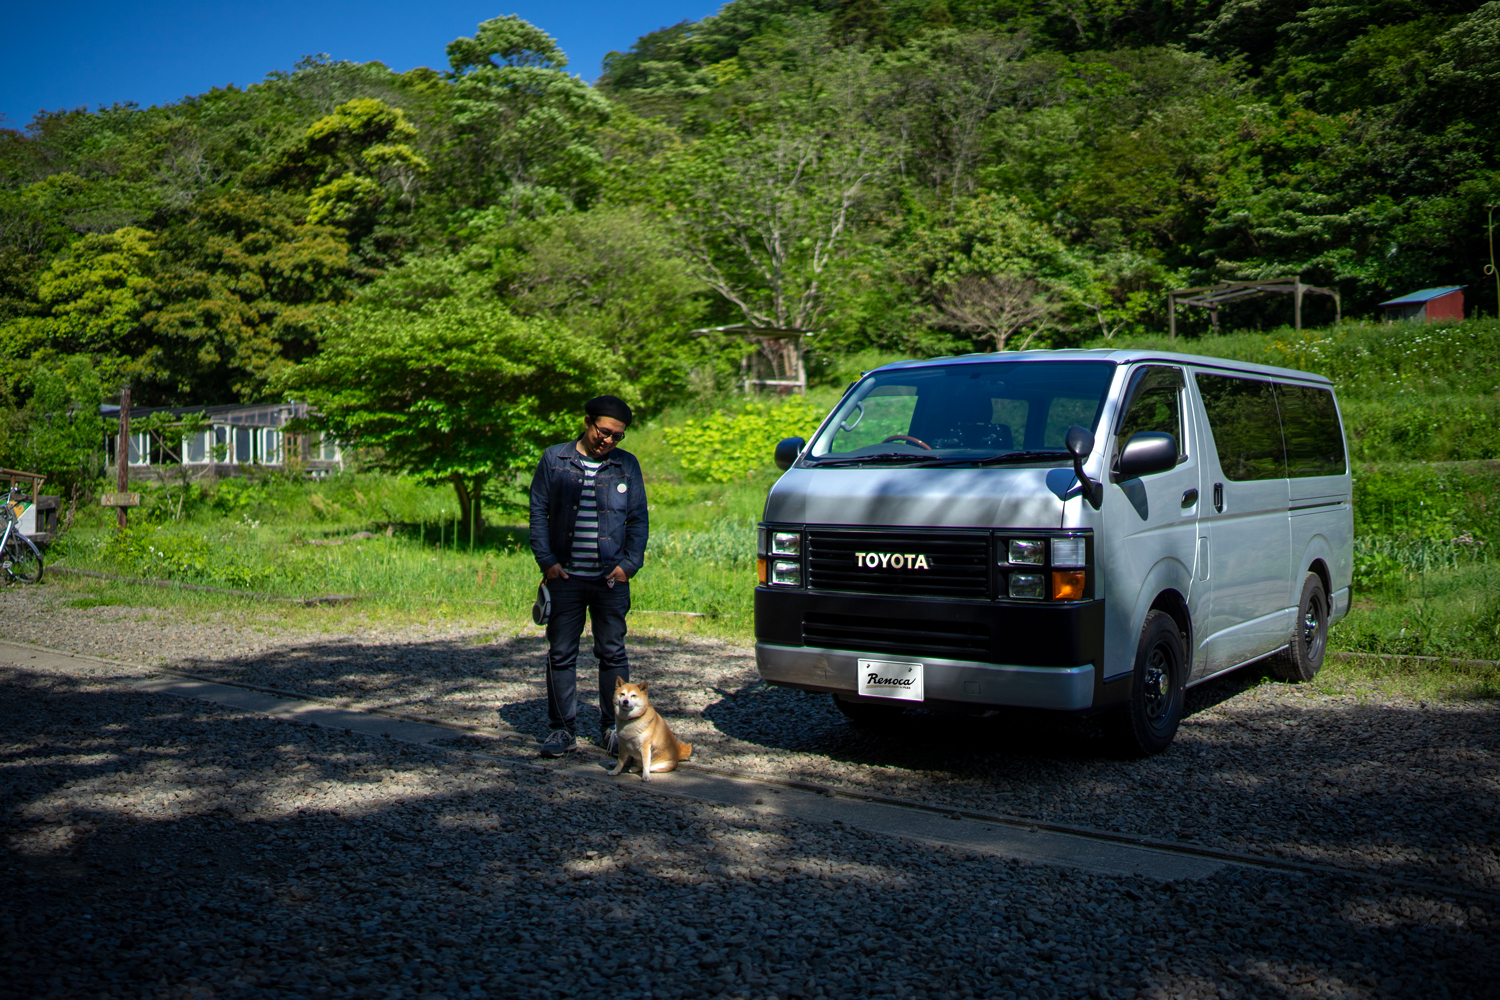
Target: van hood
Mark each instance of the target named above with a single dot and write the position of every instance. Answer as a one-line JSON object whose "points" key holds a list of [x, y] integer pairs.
{"points": [[947, 498]]}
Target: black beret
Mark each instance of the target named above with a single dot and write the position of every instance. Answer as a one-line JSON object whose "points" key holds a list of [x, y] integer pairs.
{"points": [[608, 406]]}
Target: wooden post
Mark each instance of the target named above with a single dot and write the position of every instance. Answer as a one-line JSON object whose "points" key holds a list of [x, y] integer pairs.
{"points": [[122, 457], [1297, 305], [1171, 316], [1338, 308]]}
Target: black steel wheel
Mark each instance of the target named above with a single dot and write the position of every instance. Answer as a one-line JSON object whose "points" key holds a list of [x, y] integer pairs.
{"points": [[869, 715], [1303, 656], [21, 560], [1147, 723]]}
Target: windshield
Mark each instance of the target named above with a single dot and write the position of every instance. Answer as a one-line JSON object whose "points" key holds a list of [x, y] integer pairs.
{"points": [[956, 414]]}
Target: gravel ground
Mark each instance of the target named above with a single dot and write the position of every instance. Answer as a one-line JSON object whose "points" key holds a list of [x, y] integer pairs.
{"points": [[1403, 788], [158, 847]]}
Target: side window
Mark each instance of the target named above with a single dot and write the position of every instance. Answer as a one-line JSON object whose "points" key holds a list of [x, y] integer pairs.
{"points": [[1155, 405], [1310, 423], [1246, 426]]}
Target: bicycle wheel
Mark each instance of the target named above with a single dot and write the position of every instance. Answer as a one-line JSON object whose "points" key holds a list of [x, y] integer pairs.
{"points": [[22, 561]]}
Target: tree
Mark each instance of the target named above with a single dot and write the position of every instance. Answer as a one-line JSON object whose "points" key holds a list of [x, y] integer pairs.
{"points": [[350, 158], [860, 22], [609, 275], [761, 215], [506, 42], [994, 269], [996, 306], [58, 432], [240, 290], [459, 391], [946, 86], [522, 121]]}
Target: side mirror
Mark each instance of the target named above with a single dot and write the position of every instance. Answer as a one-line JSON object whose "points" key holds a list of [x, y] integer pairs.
{"points": [[1080, 442], [1145, 453], [787, 451]]}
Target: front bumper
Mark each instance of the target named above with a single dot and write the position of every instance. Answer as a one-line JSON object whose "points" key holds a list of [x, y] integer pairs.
{"points": [[960, 682]]}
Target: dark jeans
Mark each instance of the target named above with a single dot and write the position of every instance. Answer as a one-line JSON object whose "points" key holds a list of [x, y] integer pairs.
{"points": [[606, 607]]}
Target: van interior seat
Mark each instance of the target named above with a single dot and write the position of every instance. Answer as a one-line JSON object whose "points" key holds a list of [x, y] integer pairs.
{"points": [[964, 421]]}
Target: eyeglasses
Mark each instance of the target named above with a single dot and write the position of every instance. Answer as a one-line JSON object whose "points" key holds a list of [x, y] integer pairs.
{"points": [[616, 436]]}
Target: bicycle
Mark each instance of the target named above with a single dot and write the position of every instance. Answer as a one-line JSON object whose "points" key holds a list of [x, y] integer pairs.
{"points": [[20, 559]]}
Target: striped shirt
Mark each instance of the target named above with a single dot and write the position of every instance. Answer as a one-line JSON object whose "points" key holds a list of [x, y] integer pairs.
{"points": [[585, 561]]}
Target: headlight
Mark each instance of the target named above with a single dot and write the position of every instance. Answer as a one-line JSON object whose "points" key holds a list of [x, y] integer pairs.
{"points": [[785, 573], [1067, 553], [1032, 586], [1027, 552], [786, 543]]}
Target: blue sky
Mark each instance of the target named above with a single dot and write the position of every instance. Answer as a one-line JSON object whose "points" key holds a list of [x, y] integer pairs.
{"points": [[68, 53]]}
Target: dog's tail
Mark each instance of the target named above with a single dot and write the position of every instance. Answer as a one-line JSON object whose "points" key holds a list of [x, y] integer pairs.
{"points": [[684, 750]]}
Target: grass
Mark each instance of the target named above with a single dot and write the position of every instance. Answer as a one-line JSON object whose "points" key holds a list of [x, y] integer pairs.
{"points": [[1417, 399], [1418, 680]]}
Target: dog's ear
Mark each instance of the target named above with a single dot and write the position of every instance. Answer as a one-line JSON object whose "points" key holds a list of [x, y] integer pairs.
{"points": [[619, 683], [642, 685]]}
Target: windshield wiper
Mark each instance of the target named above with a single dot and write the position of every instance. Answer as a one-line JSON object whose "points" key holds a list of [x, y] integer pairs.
{"points": [[1008, 458], [883, 456]]}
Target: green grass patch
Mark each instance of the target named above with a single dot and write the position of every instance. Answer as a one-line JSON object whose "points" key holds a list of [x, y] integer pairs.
{"points": [[1419, 680]]}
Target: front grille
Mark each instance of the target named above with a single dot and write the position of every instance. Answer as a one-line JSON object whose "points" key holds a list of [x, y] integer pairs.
{"points": [[957, 563], [904, 636]]}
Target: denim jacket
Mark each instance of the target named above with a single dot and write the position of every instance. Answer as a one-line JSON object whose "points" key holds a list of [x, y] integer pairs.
{"points": [[556, 489]]}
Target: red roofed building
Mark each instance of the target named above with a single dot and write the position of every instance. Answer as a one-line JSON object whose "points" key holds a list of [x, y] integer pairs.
{"points": [[1427, 306]]}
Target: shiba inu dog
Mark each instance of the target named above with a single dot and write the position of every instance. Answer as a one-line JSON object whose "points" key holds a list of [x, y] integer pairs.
{"points": [[643, 733]]}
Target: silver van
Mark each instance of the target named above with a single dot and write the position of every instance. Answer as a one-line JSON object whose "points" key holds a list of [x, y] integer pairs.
{"points": [[1083, 531]]}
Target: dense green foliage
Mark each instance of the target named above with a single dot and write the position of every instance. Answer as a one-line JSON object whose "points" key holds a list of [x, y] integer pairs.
{"points": [[914, 175]]}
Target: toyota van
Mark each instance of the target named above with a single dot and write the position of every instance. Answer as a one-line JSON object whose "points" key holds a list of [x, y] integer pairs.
{"points": [[1085, 531]]}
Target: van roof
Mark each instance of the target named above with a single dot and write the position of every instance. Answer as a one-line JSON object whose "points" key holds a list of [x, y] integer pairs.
{"points": [[1118, 357]]}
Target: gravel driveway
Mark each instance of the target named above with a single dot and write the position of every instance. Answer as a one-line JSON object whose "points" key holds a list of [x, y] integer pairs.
{"points": [[163, 848], [1403, 788]]}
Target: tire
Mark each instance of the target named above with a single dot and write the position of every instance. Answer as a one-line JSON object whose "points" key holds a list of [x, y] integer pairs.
{"points": [[22, 561], [1147, 724], [1303, 657], [867, 716]]}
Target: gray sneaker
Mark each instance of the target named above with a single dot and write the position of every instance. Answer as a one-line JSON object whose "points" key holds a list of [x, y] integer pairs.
{"points": [[609, 741], [558, 743]]}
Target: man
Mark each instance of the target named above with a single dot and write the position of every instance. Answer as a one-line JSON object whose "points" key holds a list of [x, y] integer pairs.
{"points": [[588, 533]]}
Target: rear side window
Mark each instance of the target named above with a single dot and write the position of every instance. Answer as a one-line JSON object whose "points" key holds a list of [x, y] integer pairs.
{"points": [[1310, 424], [1246, 426]]}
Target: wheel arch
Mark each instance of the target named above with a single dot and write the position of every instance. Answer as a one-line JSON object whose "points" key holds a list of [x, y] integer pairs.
{"points": [[1165, 589], [1174, 605], [1317, 557]]}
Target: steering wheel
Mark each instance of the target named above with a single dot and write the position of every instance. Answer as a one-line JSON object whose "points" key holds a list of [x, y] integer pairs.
{"points": [[909, 440]]}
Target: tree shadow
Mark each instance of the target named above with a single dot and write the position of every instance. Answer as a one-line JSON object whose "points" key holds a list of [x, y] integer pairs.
{"points": [[160, 847], [1348, 784]]}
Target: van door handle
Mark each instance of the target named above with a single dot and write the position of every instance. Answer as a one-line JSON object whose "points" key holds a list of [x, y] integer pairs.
{"points": [[1219, 497], [1189, 497]]}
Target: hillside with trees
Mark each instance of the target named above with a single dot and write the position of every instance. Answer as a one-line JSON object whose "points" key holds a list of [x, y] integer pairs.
{"points": [[922, 176]]}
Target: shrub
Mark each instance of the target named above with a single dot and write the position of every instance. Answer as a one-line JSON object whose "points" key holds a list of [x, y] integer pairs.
{"points": [[724, 447]]}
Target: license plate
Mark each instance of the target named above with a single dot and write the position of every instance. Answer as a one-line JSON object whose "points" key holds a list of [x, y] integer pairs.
{"points": [[889, 679]]}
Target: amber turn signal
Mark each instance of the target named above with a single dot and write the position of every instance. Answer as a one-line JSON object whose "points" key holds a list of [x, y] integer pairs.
{"points": [[760, 571], [1067, 585]]}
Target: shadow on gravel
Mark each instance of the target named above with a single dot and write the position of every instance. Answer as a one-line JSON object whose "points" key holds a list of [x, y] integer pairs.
{"points": [[1376, 787], [1409, 792], [157, 847], [785, 718]]}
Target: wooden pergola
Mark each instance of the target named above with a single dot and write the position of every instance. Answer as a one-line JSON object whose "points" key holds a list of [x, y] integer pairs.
{"points": [[1211, 297], [773, 359]]}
